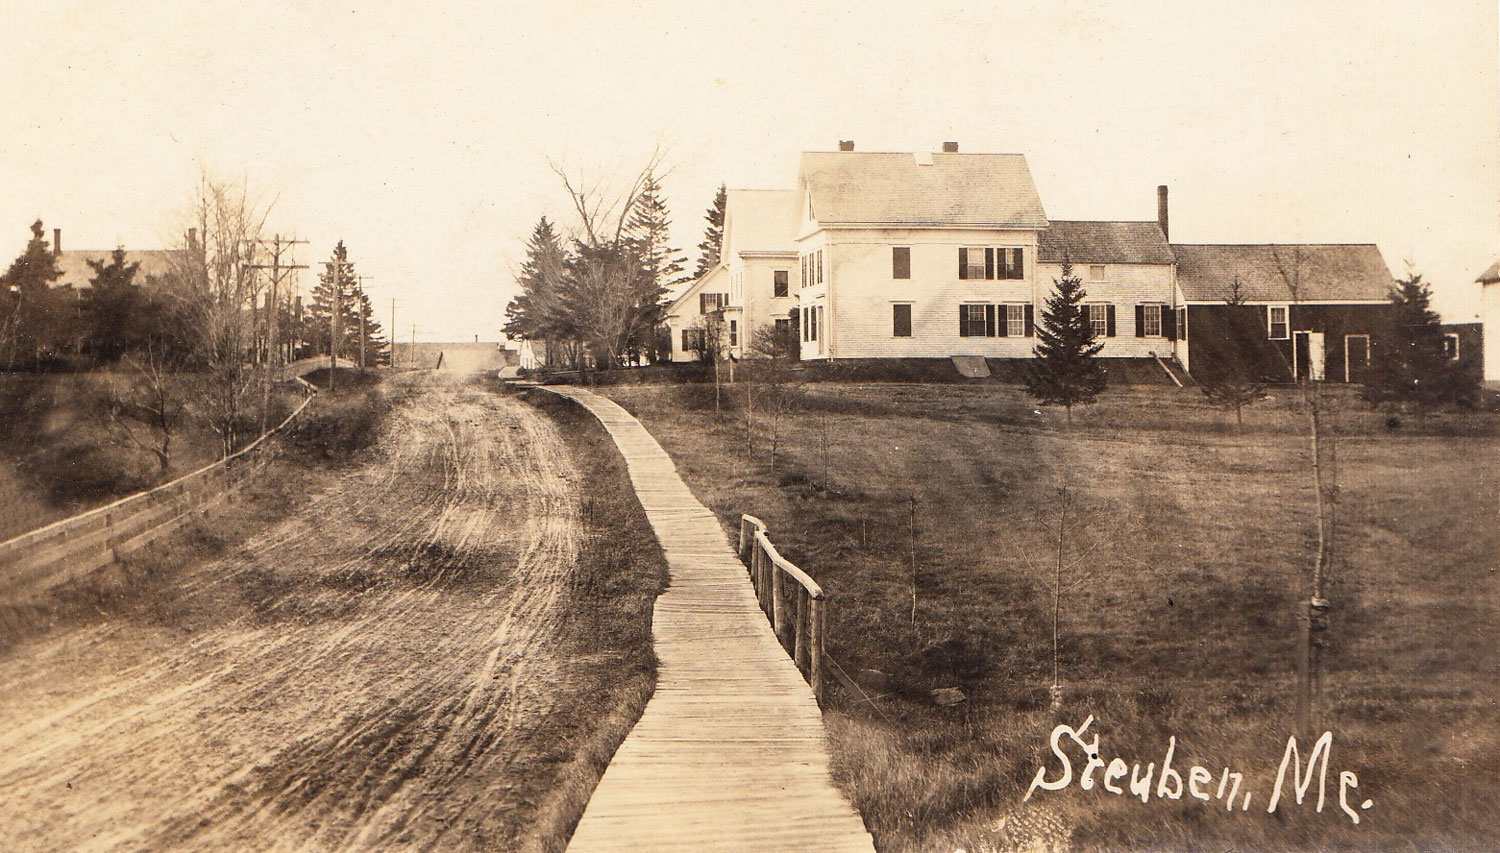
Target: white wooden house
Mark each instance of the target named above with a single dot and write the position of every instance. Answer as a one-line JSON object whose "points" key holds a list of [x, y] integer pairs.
{"points": [[1489, 314]]}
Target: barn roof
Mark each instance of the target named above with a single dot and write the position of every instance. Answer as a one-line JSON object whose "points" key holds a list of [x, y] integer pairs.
{"points": [[1271, 272], [1104, 243], [760, 221], [848, 187], [1490, 275]]}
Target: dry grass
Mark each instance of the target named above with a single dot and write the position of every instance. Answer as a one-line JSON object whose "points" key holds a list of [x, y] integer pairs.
{"points": [[1187, 624]]}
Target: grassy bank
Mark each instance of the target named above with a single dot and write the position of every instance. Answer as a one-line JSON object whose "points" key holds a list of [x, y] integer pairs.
{"points": [[1181, 620]]}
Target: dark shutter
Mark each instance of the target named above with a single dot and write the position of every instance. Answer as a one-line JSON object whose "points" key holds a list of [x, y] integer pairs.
{"points": [[901, 321], [900, 262], [1030, 321], [963, 264], [963, 319], [989, 321], [1002, 328], [989, 264], [1140, 321], [1018, 265], [1109, 321], [1169, 323]]}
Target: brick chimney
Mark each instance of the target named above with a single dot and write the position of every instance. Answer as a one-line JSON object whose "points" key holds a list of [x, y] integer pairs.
{"points": [[1161, 210], [846, 145], [56, 241], [950, 147]]}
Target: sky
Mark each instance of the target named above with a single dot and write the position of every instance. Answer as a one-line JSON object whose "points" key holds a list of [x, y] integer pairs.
{"points": [[424, 135]]}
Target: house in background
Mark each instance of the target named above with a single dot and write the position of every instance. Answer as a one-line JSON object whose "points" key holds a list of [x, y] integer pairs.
{"points": [[1129, 279], [915, 256], [687, 315], [1489, 315], [1314, 311], [946, 254], [752, 285], [155, 264]]}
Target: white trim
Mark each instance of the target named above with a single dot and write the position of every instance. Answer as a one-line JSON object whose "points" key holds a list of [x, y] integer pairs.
{"points": [[1347, 375], [1298, 302], [1456, 343], [1271, 332]]}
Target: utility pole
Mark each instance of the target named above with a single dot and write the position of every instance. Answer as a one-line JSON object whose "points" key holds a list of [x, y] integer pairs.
{"points": [[360, 285], [273, 304]]}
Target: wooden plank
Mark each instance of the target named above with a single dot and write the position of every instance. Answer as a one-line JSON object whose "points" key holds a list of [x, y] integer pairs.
{"points": [[730, 752]]}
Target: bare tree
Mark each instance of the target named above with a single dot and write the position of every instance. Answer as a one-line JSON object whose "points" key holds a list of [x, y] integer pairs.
{"points": [[1067, 552], [146, 405], [218, 283], [1323, 469]]}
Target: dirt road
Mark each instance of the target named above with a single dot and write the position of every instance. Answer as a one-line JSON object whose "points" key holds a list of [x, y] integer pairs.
{"points": [[368, 673]]}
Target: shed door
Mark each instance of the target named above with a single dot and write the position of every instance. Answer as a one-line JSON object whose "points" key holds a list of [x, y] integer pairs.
{"points": [[1308, 355]]}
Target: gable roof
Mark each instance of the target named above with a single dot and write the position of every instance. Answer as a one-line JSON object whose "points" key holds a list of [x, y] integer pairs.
{"points": [[1104, 243], [697, 286], [760, 221], [76, 271], [849, 187], [1490, 275], [1352, 272]]}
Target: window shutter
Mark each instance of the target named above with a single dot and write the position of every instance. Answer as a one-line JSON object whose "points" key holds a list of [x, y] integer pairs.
{"points": [[1002, 328], [1140, 321], [1018, 265], [989, 264], [963, 318], [900, 262], [963, 265], [989, 321], [1109, 320], [1030, 321], [1169, 323]]}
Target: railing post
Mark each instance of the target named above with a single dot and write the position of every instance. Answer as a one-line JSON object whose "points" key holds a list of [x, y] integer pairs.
{"points": [[778, 613], [799, 640], [815, 652]]}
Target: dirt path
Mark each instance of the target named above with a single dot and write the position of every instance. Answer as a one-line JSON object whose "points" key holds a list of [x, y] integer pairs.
{"points": [[368, 673]]}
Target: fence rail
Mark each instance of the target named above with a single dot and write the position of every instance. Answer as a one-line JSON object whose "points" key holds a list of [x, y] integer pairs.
{"points": [[75, 546], [797, 610]]}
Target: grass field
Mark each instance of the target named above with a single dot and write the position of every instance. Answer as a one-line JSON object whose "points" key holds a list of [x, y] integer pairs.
{"points": [[1181, 622]]}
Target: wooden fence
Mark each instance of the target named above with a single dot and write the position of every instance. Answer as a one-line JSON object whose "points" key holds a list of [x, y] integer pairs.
{"points": [[75, 546], [797, 610]]}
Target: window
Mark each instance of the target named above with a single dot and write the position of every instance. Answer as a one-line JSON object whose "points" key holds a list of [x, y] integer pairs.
{"points": [[783, 331], [900, 262], [817, 324], [692, 340], [978, 262], [1278, 327], [802, 265], [1099, 317], [710, 302], [1150, 318], [812, 322], [1096, 272], [819, 267], [734, 333], [1012, 261], [971, 320], [1015, 321], [901, 320], [1450, 345], [802, 312], [779, 284], [1182, 323]]}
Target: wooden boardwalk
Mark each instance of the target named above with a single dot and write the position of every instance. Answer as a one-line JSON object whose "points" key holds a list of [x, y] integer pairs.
{"points": [[729, 753]]}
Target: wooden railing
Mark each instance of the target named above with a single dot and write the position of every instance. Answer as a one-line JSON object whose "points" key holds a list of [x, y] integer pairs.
{"points": [[75, 546], [797, 610]]}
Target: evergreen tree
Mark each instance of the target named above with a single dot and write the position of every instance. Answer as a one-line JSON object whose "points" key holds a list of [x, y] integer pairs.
{"points": [[713, 235], [1065, 372], [32, 321], [1414, 367], [113, 309], [1236, 388], [650, 226], [541, 311], [377, 348], [337, 278]]}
